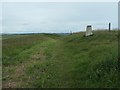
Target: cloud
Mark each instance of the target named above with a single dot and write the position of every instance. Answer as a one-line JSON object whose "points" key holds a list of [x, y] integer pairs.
{"points": [[56, 17]]}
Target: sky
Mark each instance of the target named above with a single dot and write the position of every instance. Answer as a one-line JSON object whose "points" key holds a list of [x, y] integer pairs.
{"points": [[57, 17], [119, 15]]}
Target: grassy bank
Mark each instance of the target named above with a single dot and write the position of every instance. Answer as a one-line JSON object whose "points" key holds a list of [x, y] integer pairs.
{"points": [[50, 60]]}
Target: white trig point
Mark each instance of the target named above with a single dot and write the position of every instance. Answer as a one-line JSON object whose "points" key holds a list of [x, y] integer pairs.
{"points": [[88, 30]]}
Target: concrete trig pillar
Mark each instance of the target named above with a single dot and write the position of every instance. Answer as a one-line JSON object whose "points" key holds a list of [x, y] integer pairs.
{"points": [[89, 30]]}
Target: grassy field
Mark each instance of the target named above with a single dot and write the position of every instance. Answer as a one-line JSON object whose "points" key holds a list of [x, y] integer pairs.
{"points": [[61, 61]]}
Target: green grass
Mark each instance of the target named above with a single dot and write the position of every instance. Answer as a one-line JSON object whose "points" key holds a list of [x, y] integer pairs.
{"points": [[51, 60]]}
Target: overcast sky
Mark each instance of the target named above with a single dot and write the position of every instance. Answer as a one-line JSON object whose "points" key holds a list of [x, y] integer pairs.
{"points": [[59, 17]]}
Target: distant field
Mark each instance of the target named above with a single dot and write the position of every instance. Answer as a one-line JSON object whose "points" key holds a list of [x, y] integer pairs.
{"points": [[61, 61], [6, 36]]}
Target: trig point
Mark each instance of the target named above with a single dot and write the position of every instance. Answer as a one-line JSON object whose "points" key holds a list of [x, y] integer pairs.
{"points": [[88, 30]]}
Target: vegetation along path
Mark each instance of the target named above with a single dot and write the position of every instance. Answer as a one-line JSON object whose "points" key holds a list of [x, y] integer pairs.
{"points": [[51, 60]]}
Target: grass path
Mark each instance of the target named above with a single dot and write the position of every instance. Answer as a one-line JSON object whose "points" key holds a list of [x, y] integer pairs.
{"points": [[18, 77], [47, 67], [53, 69], [56, 70]]}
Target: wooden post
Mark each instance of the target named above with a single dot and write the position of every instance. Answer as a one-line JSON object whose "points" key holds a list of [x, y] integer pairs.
{"points": [[109, 27]]}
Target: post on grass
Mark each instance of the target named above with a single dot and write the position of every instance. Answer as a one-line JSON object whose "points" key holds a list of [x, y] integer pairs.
{"points": [[109, 26]]}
